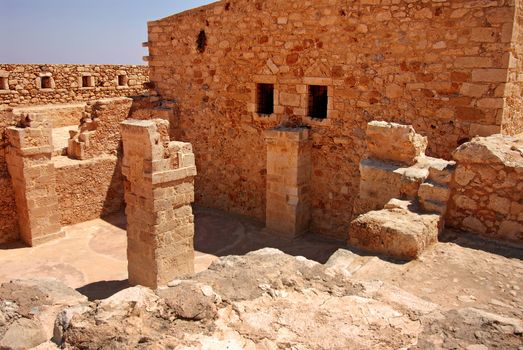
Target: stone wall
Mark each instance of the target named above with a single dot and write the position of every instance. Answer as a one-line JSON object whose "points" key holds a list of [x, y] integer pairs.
{"points": [[21, 84], [440, 66], [513, 114], [88, 189], [8, 217], [487, 191]]}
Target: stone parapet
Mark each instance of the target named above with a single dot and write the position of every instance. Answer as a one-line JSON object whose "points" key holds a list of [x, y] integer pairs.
{"points": [[288, 180], [159, 189], [33, 178]]}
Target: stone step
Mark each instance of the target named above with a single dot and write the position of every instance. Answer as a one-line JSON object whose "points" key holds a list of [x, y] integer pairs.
{"points": [[441, 172], [400, 230], [434, 192], [434, 207]]}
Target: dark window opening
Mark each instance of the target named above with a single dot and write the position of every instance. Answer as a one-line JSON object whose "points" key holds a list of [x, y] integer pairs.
{"points": [[265, 98], [87, 81], [201, 41], [3, 83], [46, 83], [122, 80], [318, 101]]}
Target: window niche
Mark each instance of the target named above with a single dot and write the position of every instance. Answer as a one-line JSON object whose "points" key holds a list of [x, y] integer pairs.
{"points": [[265, 99], [122, 80], [318, 101], [46, 82], [4, 83], [87, 81]]}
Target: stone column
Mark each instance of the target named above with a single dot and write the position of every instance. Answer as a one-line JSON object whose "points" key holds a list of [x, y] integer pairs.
{"points": [[34, 181], [288, 209], [159, 190]]}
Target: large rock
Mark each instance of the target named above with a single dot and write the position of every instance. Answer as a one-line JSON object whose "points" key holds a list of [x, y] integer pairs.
{"points": [[394, 142], [28, 309], [399, 230], [496, 149]]}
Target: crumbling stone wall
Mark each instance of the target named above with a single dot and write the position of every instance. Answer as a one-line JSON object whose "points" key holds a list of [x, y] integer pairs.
{"points": [[8, 217], [98, 133], [159, 189], [23, 85], [437, 65], [487, 191]]}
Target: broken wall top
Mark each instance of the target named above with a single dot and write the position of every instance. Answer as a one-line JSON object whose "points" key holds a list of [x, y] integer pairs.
{"points": [[394, 142], [496, 149]]}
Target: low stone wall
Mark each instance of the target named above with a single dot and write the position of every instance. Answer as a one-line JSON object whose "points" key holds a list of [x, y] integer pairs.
{"points": [[88, 189], [31, 84], [487, 191]]}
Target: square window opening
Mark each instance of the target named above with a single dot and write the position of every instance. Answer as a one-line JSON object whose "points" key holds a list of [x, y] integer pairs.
{"points": [[46, 83], [318, 101], [87, 81], [3, 83], [265, 99], [122, 80]]}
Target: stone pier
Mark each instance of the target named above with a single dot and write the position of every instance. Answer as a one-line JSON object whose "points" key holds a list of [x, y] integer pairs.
{"points": [[159, 190], [288, 181], [34, 180]]}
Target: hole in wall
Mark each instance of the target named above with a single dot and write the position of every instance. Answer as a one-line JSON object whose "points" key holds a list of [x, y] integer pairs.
{"points": [[265, 99], [318, 101], [122, 80], [201, 41], [3, 83], [227, 6], [45, 83]]}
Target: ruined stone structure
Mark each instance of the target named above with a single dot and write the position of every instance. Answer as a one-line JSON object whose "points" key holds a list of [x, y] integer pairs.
{"points": [[288, 181], [159, 190], [34, 179], [451, 69], [89, 181], [23, 84]]}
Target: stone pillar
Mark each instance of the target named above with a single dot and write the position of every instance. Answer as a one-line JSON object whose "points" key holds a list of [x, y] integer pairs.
{"points": [[288, 181], [159, 190], [34, 181]]}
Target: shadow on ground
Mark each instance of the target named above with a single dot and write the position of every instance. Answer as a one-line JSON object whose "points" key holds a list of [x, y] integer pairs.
{"points": [[476, 242], [102, 289]]}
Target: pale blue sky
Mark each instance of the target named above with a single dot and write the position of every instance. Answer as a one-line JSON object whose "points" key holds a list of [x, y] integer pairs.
{"points": [[80, 31]]}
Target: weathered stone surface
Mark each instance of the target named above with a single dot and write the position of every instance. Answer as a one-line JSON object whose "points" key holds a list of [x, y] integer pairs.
{"points": [[159, 190], [29, 309], [23, 83], [289, 167], [33, 179], [394, 142], [487, 189], [399, 230]]}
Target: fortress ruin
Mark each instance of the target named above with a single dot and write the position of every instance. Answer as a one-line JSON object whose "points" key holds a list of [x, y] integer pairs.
{"points": [[380, 124]]}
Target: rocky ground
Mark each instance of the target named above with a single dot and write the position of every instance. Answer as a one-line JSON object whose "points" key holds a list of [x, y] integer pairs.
{"points": [[452, 298]]}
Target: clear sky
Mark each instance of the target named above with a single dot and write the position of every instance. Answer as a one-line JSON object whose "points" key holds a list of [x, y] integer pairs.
{"points": [[80, 31]]}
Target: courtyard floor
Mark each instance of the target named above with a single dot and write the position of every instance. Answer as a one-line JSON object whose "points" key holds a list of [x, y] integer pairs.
{"points": [[463, 271]]}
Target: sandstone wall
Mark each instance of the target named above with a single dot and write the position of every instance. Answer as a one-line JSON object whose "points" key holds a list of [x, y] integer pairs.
{"points": [[513, 114], [437, 65], [88, 189], [8, 217], [22, 84], [487, 191]]}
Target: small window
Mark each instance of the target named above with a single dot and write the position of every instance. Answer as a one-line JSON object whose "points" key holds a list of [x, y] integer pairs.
{"points": [[122, 80], [87, 81], [265, 98], [318, 101], [3, 83], [45, 83]]}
